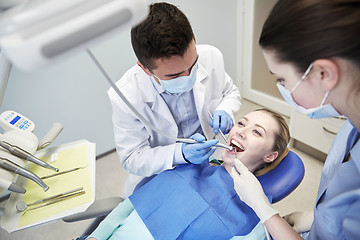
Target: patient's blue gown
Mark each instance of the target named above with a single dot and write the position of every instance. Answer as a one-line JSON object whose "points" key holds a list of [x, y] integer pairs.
{"points": [[189, 202]]}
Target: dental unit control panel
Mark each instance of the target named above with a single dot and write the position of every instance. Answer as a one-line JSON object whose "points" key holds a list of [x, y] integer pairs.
{"points": [[10, 120]]}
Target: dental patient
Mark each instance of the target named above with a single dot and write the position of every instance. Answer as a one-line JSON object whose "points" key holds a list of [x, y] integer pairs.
{"points": [[199, 201]]}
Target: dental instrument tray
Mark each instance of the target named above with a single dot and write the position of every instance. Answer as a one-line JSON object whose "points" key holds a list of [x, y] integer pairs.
{"points": [[70, 191]]}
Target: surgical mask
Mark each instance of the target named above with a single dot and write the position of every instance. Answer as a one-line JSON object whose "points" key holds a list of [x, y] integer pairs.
{"points": [[323, 111], [180, 84]]}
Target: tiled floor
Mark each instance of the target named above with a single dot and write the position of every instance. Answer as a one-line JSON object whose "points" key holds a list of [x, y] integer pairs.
{"points": [[110, 178]]}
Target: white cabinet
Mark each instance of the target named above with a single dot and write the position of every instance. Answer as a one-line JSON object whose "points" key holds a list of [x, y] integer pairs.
{"points": [[316, 133]]}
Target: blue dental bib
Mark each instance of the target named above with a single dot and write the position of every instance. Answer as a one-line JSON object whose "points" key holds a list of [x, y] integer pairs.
{"points": [[193, 202]]}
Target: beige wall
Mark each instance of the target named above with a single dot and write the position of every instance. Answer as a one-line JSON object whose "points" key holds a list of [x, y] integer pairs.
{"points": [[261, 79]]}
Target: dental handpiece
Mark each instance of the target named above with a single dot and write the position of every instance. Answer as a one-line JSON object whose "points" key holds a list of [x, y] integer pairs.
{"points": [[189, 140], [224, 146], [12, 167], [21, 153]]}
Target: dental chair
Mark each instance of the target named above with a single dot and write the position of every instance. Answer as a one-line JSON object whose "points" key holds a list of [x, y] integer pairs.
{"points": [[278, 183]]}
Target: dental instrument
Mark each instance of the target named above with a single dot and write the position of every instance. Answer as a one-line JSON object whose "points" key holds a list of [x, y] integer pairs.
{"points": [[146, 122], [56, 200], [12, 167], [236, 158], [19, 152], [22, 206], [222, 134], [224, 146], [63, 172]]}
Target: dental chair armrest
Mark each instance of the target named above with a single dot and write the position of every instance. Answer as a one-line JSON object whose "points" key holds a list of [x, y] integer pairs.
{"points": [[99, 208]]}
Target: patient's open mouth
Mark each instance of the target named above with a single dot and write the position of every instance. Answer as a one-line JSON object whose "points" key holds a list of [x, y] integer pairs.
{"points": [[238, 146]]}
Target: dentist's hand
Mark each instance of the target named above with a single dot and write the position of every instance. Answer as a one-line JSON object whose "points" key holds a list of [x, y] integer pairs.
{"points": [[198, 152], [300, 221], [221, 120], [250, 191]]}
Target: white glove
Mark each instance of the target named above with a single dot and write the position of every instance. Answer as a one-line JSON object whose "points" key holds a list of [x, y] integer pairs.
{"points": [[300, 221], [250, 191]]}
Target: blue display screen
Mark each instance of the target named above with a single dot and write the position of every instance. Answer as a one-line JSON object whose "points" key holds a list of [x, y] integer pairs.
{"points": [[15, 120]]}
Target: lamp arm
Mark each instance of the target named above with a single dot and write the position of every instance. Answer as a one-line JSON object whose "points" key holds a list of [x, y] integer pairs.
{"points": [[5, 68]]}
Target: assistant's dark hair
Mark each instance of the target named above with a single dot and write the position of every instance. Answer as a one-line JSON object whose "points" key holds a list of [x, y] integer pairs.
{"points": [[302, 31], [166, 32]]}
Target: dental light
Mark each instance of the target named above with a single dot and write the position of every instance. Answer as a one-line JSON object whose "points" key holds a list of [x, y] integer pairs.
{"points": [[34, 33]]}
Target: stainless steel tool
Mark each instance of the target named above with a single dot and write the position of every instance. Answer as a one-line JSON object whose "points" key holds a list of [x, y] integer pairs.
{"points": [[222, 134], [13, 167], [23, 207], [61, 173], [21, 153]]}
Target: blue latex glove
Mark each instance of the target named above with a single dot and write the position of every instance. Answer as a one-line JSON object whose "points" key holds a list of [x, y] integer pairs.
{"points": [[197, 153], [221, 120]]}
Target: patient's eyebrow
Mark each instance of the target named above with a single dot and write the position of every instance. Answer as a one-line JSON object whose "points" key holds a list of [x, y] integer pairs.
{"points": [[244, 118], [261, 127]]}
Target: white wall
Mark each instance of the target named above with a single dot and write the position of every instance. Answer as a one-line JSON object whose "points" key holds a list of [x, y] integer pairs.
{"points": [[73, 92]]}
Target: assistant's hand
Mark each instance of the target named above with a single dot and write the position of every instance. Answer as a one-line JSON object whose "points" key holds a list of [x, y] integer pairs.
{"points": [[250, 191], [300, 221], [198, 152], [221, 120]]}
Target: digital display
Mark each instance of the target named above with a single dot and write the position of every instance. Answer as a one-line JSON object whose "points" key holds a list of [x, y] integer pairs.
{"points": [[15, 120]]}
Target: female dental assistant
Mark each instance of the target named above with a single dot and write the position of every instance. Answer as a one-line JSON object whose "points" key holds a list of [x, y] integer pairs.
{"points": [[313, 48]]}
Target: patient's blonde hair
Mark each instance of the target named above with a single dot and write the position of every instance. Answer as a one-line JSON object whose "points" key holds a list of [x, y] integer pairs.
{"points": [[281, 141]]}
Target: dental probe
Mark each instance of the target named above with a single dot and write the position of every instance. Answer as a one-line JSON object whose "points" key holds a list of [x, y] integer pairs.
{"points": [[56, 200], [22, 206], [21, 153], [60, 173], [12, 167], [236, 158], [222, 134]]}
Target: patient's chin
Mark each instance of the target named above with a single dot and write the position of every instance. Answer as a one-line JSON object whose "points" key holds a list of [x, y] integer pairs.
{"points": [[227, 158]]}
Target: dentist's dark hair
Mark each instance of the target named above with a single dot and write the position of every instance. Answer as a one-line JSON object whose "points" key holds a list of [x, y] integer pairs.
{"points": [[166, 32], [302, 31]]}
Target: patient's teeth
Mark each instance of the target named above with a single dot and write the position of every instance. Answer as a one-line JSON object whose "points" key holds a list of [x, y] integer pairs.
{"points": [[237, 144]]}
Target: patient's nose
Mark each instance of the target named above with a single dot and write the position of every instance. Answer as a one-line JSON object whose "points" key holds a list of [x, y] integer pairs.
{"points": [[241, 133]]}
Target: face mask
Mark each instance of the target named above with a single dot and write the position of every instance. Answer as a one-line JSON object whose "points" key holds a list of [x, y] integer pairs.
{"points": [[180, 84], [323, 111]]}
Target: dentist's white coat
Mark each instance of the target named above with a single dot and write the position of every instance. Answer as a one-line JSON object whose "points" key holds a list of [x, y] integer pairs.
{"points": [[144, 152]]}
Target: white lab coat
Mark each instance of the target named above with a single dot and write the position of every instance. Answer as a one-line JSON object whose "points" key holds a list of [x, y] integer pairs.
{"points": [[143, 152]]}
